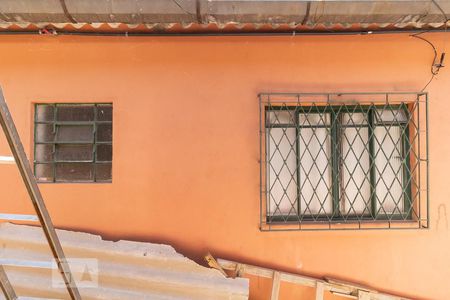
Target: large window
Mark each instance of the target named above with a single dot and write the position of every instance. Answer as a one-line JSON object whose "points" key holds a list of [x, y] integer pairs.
{"points": [[340, 162], [73, 142]]}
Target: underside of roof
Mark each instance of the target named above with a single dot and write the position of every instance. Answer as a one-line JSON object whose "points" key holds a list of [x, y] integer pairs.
{"points": [[222, 16]]}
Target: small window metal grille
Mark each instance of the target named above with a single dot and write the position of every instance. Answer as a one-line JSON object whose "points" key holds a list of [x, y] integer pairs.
{"points": [[344, 161], [73, 142]]}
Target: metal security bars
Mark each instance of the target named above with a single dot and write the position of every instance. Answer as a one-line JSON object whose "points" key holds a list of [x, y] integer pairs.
{"points": [[344, 161], [73, 142]]}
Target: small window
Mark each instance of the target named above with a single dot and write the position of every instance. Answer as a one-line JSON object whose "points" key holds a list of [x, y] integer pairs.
{"points": [[73, 142], [331, 163]]}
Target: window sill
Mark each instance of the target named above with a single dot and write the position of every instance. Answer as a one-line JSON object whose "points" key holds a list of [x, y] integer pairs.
{"points": [[344, 225], [74, 182]]}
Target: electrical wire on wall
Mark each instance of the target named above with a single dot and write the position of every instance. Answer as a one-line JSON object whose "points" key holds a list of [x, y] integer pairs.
{"points": [[435, 65]]}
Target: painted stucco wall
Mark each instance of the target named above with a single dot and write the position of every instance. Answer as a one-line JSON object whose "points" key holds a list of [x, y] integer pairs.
{"points": [[186, 146]]}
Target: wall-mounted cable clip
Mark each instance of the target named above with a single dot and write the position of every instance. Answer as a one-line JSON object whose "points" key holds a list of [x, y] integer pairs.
{"points": [[441, 61]]}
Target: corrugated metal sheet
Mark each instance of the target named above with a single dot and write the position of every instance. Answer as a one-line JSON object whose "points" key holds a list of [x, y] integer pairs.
{"points": [[221, 15], [108, 270]]}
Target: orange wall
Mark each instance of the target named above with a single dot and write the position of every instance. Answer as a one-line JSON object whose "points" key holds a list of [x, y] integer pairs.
{"points": [[186, 146]]}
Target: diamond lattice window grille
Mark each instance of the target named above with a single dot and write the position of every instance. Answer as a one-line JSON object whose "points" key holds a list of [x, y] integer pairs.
{"points": [[343, 161]]}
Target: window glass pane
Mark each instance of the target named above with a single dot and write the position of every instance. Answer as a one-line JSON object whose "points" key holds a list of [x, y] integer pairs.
{"points": [[389, 174], [69, 133], [104, 112], [44, 153], [104, 152], [306, 145], [315, 171], [104, 132], [69, 147], [282, 177], [314, 119], [103, 172], [281, 117], [74, 152], [351, 119], [44, 172], [44, 133], [74, 172], [44, 113], [75, 113], [355, 187], [387, 115]]}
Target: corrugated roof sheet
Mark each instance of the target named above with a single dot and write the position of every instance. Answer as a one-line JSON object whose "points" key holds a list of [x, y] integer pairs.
{"points": [[108, 270], [221, 15]]}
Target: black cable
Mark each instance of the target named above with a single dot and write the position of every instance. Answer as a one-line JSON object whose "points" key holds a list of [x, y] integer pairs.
{"points": [[66, 12], [429, 81], [435, 67], [433, 64]]}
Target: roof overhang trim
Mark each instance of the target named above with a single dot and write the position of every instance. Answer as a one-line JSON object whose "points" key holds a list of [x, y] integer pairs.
{"points": [[178, 16]]}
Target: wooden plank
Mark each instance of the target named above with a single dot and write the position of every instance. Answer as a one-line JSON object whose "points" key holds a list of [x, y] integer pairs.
{"points": [[6, 286], [345, 295], [239, 270], [211, 261], [275, 285], [319, 290], [363, 295], [353, 285], [284, 276], [12, 136], [268, 273], [337, 287]]}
